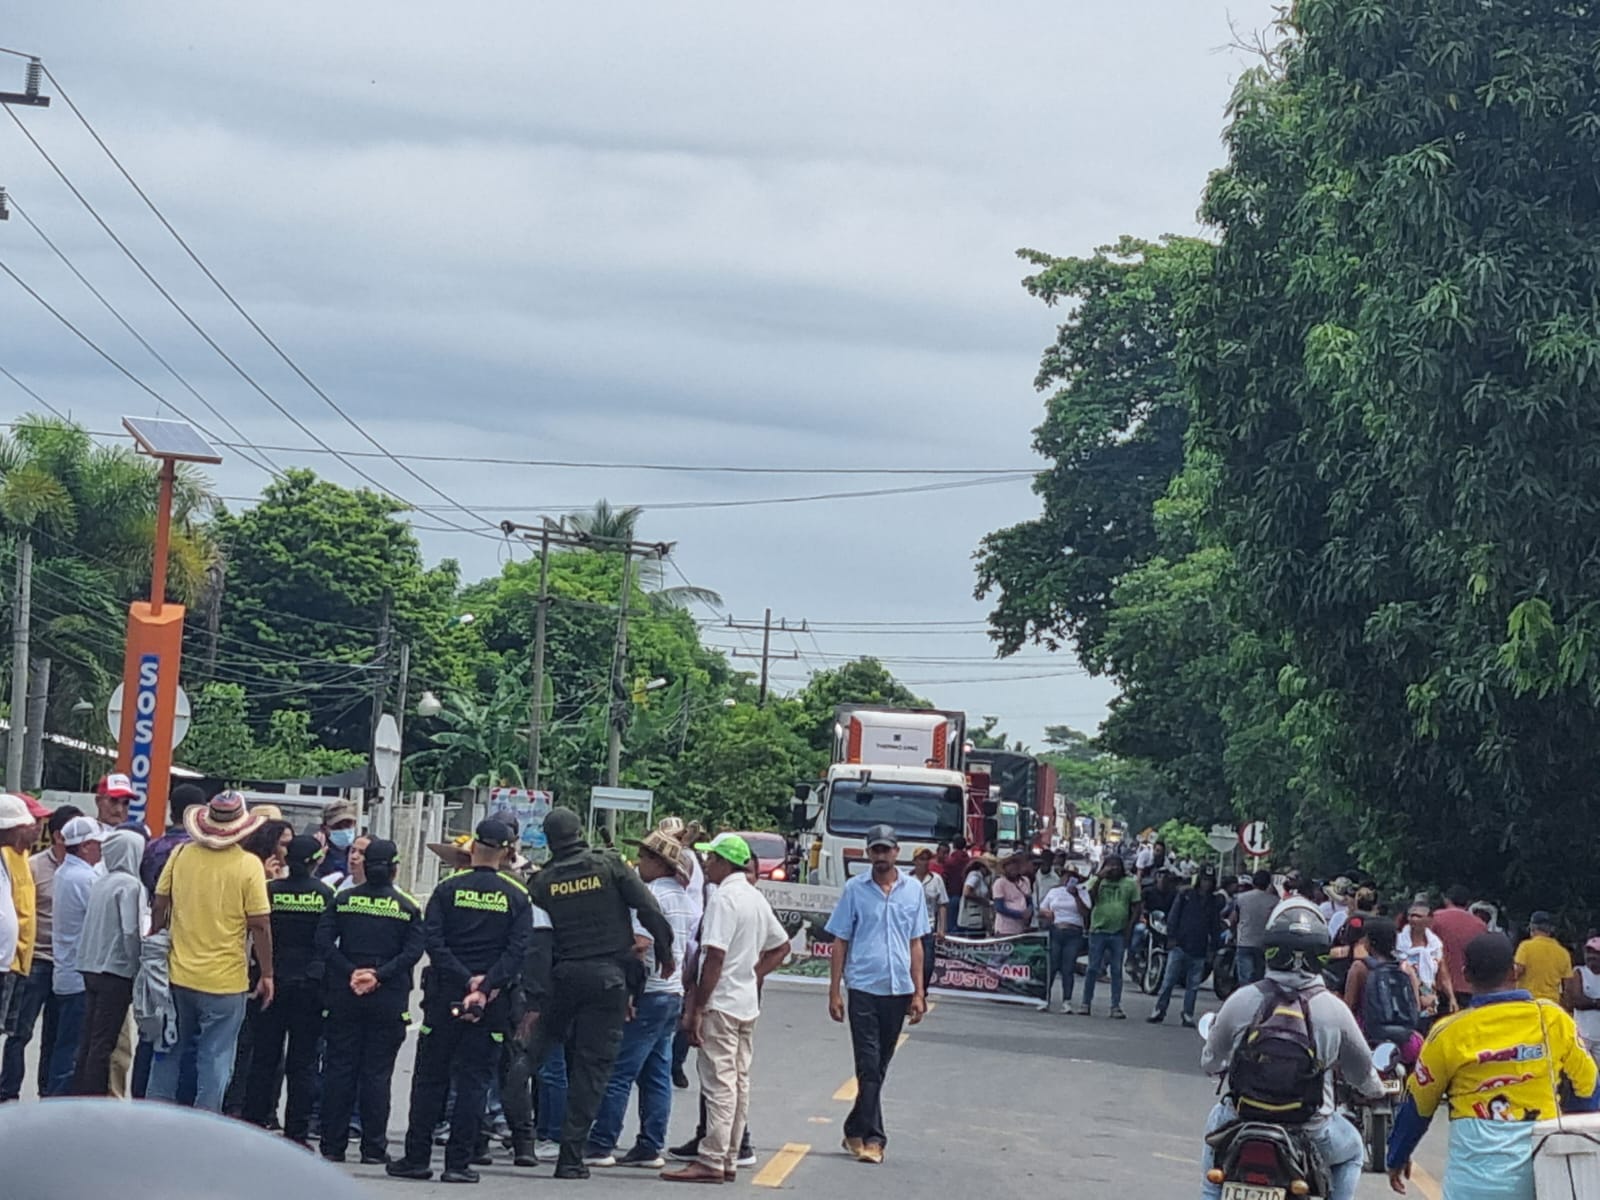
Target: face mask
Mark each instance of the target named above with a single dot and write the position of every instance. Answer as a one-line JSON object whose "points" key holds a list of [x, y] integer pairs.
{"points": [[342, 838]]}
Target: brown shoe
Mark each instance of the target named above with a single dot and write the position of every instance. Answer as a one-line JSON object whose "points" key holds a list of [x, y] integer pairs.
{"points": [[695, 1172], [872, 1153], [730, 1176], [853, 1147]]}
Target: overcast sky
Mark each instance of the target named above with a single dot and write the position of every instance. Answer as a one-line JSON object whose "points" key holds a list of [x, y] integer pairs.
{"points": [[705, 233]]}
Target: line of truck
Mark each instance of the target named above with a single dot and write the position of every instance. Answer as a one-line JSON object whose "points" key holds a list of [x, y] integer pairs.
{"points": [[914, 769]]}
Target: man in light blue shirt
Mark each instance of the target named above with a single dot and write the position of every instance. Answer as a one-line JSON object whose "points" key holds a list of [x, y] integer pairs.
{"points": [[877, 928]]}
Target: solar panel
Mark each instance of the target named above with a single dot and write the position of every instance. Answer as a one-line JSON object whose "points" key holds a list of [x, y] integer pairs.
{"points": [[170, 439]]}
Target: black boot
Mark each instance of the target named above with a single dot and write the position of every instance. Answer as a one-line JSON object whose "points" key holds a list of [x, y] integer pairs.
{"points": [[522, 1154]]}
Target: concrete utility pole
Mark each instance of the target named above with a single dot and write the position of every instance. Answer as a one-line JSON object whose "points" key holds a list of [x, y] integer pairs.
{"points": [[630, 548], [380, 693], [21, 616], [550, 533], [38, 706], [767, 653]]}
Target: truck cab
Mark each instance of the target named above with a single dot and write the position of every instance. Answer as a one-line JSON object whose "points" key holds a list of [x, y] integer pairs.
{"points": [[926, 806]]}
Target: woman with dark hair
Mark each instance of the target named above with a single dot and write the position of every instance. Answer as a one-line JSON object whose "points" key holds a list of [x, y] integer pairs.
{"points": [[270, 844]]}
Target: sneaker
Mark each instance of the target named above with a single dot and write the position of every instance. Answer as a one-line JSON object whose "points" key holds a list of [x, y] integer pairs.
{"points": [[1083, 1010], [1187, 1021], [461, 1175], [482, 1158], [1117, 1014], [599, 1160], [547, 1151], [688, 1152], [500, 1130], [441, 1133], [1067, 1010], [679, 1079], [1156, 1018], [374, 1160], [747, 1156], [647, 1160]]}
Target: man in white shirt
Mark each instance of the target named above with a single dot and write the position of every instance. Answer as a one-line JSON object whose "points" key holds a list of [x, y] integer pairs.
{"points": [[741, 942], [645, 1056]]}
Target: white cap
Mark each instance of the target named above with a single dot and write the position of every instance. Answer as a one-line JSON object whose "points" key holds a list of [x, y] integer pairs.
{"points": [[14, 812], [82, 829]]}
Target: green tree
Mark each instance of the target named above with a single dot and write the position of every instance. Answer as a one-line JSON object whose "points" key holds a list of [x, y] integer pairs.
{"points": [[310, 572], [1394, 367], [1113, 431]]}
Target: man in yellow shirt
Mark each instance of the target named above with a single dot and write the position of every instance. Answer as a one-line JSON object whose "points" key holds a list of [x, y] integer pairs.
{"points": [[1543, 963], [1496, 1069], [14, 852], [214, 897]]}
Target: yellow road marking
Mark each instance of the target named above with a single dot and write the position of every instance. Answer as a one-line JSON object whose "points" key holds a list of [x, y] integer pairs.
{"points": [[1426, 1183], [819, 1120], [847, 1090], [780, 1164]]}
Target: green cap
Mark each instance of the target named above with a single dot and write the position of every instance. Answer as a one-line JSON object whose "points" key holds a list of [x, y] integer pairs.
{"points": [[730, 845]]}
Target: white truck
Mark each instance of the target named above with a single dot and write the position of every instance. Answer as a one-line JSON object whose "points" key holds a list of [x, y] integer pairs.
{"points": [[899, 767]]}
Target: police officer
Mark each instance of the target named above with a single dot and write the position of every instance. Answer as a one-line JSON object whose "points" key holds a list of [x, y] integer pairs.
{"points": [[590, 896], [295, 1014], [370, 940], [478, 925]]}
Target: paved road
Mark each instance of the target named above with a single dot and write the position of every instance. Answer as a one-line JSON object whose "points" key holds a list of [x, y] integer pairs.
{"points": [[980, 1094]]}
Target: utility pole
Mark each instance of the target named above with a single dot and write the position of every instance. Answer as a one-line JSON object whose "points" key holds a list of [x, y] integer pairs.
{"points": [[550, 533], [30, 98], [33, 746], [380, 692], [767, 653], [21, 615], [631, 548]]}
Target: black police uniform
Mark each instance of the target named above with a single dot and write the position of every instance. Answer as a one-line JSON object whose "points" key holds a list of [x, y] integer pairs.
{"points": [[374, 926], [532, 995], [478, 922], [590, 896], [295, 1014]]}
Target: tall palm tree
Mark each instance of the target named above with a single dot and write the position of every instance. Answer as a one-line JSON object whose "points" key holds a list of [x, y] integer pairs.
{"points": [[611, 526]]}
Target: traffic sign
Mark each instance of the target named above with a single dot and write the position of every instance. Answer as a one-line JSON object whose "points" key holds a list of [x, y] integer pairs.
{"points": [[1254, 838], [1222, 837], [386, 751], [180, 719]]}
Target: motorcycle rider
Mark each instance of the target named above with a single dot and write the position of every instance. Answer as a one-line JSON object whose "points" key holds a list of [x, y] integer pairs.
{"points": [[1296, 945]]}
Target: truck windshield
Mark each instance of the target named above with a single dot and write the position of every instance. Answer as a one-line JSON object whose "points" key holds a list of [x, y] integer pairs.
{"points": [[923, 812]]}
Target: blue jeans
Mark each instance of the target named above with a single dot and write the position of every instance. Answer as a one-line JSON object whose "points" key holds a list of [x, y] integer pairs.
{"points": [[208, 1027], [69, 1031], [1337, 1139], [645, 1056], [1187, 967], [1066, 943], [33, 998], [553, 1094], [1249, 964], [1104, 948]]}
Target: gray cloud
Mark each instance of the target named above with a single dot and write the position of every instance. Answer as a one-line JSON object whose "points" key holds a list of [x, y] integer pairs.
{"points": [[703, 232]]}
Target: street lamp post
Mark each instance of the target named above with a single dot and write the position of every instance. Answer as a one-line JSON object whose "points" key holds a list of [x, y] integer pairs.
{"points": [[154, 651]]}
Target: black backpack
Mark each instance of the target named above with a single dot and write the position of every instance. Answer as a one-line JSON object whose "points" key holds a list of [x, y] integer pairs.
{"points": [[1275, 1074], [1388, 1001]]}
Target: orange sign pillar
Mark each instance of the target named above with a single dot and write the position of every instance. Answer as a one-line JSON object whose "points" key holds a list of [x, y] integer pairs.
{"points": [[149, 699]]}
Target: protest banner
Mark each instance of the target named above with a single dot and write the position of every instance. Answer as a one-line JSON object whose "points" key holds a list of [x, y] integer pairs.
{"points": [[1008, 968]]}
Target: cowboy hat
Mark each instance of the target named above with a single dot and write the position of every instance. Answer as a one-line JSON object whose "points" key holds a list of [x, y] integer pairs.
{"points": [[224, 822], [667, 848]]}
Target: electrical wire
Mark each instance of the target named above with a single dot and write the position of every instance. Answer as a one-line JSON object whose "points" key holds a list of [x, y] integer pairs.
{"points": [[271, 466], [262, 333], [40, 399]]}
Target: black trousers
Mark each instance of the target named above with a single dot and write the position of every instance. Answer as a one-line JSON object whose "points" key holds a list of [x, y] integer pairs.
{"points": [[875, 1024], [450, 1053], [587, 1009], [519, 1084], [283, 1049], [359, 1065], [105, 1013]]}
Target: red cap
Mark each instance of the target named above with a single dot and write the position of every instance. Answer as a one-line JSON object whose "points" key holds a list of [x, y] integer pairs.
{"points": [[115, 785], [38, 811]]}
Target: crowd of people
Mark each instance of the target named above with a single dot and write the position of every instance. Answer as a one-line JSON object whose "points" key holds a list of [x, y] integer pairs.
{"points": [[233, 966]]}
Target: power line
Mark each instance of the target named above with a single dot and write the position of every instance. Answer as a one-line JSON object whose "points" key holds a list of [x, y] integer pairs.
{"points": [[271, 466], [40, 399], [262, 333]]}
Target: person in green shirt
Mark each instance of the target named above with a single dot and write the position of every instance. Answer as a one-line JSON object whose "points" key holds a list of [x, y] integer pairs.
{"points": [[1115, 903]]}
